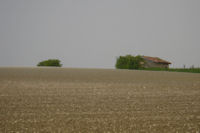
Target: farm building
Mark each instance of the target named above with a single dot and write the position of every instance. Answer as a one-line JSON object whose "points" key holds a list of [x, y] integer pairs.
{"points": [[155, 62]]}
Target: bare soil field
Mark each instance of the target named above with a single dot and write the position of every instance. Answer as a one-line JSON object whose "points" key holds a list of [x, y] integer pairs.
{"points": [[98, 100]]}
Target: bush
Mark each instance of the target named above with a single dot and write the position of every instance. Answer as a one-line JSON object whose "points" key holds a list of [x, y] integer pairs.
{"points": [[50, 62], [129, 62]]}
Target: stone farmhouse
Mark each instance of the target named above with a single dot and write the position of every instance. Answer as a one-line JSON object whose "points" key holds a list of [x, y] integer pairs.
{"points": [[154, 62]]}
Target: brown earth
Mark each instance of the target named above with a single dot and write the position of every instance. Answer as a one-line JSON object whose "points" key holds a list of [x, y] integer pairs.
{"points": [[98, 100]]}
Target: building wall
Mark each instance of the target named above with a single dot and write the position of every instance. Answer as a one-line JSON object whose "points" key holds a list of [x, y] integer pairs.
{"points": [[150, 64]]}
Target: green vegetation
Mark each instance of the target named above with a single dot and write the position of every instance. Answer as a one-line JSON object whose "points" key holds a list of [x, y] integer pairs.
{"points": [[192, 70], [129, 62], [136, 62], [50, 62]]}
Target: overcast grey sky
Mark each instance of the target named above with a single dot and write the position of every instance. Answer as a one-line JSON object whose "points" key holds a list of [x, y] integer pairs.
{"points": [[92, 33]]}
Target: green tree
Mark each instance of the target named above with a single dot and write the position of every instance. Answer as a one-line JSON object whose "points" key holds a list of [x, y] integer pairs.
{"points": [[50, 62], [129, 62]]}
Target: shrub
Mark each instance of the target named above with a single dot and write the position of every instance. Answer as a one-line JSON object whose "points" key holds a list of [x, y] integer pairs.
{"points": [[50, 62], [129, 62]]}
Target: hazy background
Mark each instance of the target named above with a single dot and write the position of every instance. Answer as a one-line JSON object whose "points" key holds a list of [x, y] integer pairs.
{"points": [[92, 33]]}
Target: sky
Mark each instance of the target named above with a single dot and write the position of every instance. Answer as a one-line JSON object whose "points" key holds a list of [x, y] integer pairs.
{"points": [[93, 33]]}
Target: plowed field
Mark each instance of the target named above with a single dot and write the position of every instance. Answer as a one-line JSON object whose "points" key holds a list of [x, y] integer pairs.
{"points": [[98, 100]]}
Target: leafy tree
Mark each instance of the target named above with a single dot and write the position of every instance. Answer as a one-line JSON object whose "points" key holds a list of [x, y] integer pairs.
{"points": [[50, 62], [129, 62]]}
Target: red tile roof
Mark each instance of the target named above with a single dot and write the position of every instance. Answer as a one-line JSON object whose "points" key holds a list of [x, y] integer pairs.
{"points": [[156, 60]]}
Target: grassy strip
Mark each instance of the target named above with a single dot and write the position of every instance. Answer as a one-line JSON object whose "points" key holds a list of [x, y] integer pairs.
{"points": [[191, 70]]}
